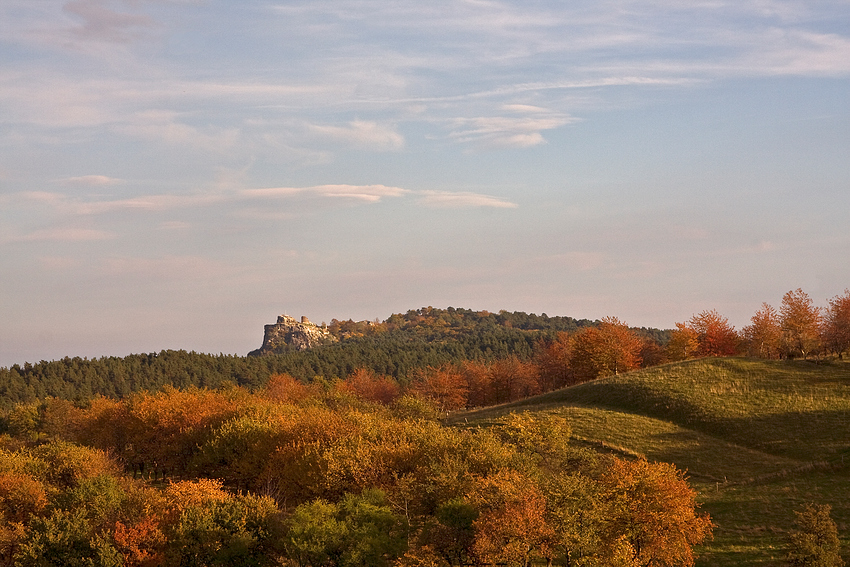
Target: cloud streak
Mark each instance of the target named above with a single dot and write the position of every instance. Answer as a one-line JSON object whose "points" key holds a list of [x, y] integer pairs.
{"points": [[450, 200], [70, 234], [104, 24], [362, 134], [65, 205], [505, 131]]}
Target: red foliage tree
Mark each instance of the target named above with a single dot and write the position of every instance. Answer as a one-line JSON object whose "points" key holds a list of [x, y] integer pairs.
{"points": [[513, 379], [651, 507], [764, 334], [836, 324], [445, 385], [715, 337], [800, 321], [605, 350], [372, 387], [479, 380], [553, 363]]}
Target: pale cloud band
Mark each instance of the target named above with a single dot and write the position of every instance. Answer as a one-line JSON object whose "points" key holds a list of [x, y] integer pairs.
{"points": [[365, 193], [451, 200], [62, 208]]}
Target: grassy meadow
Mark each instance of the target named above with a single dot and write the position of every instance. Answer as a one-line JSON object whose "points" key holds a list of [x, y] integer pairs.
{"points": [[758, 439]]}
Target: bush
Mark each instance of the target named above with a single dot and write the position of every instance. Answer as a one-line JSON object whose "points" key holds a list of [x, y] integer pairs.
{"points": [[815, 542]]}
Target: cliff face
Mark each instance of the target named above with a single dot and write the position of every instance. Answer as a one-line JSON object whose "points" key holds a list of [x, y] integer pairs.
{"points": [[288, 332]]}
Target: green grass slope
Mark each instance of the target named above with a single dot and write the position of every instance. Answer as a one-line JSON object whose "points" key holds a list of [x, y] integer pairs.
{"points": [[758, 439]]}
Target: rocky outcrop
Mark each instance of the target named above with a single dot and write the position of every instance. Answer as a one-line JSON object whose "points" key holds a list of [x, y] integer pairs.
{"points": [[289, 334]]}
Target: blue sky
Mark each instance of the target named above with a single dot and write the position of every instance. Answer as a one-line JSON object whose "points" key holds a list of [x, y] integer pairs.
{"points": [[175, 174]]}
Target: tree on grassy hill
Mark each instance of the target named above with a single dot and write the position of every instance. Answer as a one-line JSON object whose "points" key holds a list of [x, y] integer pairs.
{"points": [[651, 507], [553, 362], [815, 542], [683, 343], [715, 336], [605, 350], [836, 324], [800, 321], [512, 379], [764, 335]]}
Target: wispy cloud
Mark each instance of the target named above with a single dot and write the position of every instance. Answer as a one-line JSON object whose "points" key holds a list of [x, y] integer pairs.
{"points": [[367, 193], [91, 181], [505, 131], [68, 205], [61, 235], [462, 200], [165, 126], [101, 22], [72, 205], [362, 134]]}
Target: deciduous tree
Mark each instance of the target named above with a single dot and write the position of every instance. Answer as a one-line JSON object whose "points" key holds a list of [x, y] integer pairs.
{"points": [[513, 379], [800, 320], [684, 343], [553, 362], [444, 384], [815, 541], [715, 337], [512, 528], [605, 350], [764, 334], [359, 531], [286, 389], [371, 387], [653, 508], [836, 324], [479, 380]]}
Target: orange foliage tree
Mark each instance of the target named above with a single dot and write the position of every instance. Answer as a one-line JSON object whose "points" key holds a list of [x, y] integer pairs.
{"points": [[553, 362], [800, 320], [445, 385], [653, 509], [157, 432], [836, 324], [479, 380], [512, 528], [683, 343], [764, 334], [284, 388], [605, 350], [371, 387]]}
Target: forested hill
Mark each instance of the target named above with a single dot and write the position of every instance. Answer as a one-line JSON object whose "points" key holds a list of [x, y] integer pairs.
{"points": [[395, 347]]}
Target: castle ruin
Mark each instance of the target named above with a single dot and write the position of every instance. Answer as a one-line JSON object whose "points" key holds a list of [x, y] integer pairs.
{"points": [[288, 333]]}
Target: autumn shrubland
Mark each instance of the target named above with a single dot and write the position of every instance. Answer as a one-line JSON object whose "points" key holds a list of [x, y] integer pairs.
{"points": [[224, 477]]}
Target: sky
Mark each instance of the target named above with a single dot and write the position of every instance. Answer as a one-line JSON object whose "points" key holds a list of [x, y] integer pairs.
{"points": [[174, 174]]}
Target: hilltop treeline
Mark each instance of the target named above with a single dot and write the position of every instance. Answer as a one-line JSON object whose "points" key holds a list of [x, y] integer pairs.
{"points": [[397, 347], [314, 475], [798, 329]]}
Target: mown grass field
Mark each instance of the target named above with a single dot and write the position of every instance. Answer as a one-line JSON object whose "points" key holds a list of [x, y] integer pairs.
{"points": [[758, 439]]}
